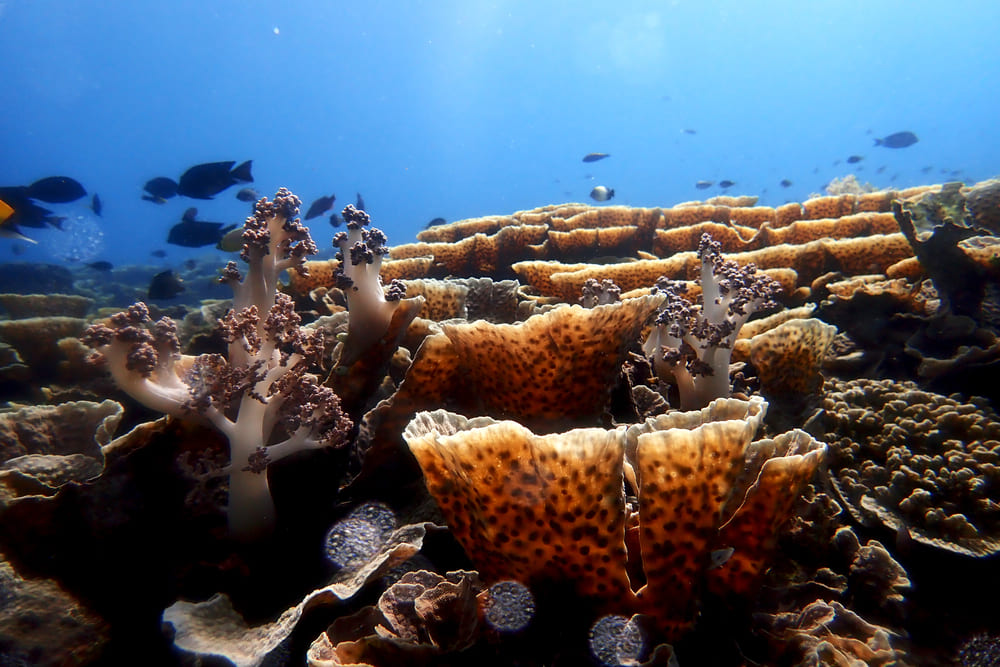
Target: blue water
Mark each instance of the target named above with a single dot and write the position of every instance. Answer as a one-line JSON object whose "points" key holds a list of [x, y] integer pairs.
{"points": [[456, 108]]}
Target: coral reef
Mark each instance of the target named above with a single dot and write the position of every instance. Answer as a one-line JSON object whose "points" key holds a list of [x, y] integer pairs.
{"points": [[489, 467]]}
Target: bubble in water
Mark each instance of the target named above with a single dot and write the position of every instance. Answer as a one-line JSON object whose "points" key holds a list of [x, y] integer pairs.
{"points": [[353, 540], [616, 640], [78, 239], [509, 606]]}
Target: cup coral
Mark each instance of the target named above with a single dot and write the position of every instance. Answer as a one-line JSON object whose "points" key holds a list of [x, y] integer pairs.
{"points": [[262, 397]]}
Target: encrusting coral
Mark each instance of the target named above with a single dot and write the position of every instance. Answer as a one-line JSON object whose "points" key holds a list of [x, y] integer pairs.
{"points": [[262, 397]]}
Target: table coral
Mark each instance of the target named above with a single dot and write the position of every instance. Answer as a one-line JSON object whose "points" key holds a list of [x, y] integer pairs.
{"points": [[549, 509]]}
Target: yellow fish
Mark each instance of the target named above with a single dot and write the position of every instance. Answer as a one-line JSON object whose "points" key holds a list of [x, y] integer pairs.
{"points": [[9, 230]]}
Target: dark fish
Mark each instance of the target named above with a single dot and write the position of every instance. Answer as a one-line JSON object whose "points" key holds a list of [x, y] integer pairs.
{"points": [[160, 189], [192, 233], [897, 140], [165, 285], [335, 219], [320, 206], [159, 253], [204, 181], [56, 190], [435, 222], [854, 159], [880, 169], [196, 234], [101, 266], [96, 205], [927, 170], [594, 157], [785, 183], [359, 203], [726, 184], [704, 185], [26, 212], [601, 193], [248, 195], [690, 131], [8, 229]]}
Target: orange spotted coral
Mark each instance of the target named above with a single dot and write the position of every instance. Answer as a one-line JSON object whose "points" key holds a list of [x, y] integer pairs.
{"points": [[552, 510]]}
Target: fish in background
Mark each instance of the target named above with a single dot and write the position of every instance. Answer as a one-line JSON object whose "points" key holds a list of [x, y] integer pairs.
{"points": [[435, 222], [704, 185], [602, 193], [320, 206], [854, 159], [159, 253], [96, 205], [726, 184], [594, 157], [202, 181], [359, 203], [8, 229], [897, 140], [785, 183], [56, 190], [193, 233], [100, 265], [158, 190], [165, 285], [248, 195], [232, 241], [335, 219]]}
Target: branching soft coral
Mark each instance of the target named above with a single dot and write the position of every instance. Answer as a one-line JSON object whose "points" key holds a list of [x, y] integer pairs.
{"points": [[371, 309], [261, 397], [691, 343]]}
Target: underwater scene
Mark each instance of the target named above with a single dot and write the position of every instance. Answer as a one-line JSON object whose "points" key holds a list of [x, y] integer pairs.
{"points": [[499, 333]]}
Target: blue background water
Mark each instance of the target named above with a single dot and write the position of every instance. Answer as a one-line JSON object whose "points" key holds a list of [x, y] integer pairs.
{"points": [[457, 108]]}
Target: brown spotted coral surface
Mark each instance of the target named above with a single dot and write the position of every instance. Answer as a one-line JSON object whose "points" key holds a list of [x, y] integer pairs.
{"points": [[533, 508]]}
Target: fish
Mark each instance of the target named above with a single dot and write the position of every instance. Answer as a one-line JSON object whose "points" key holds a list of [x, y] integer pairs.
{"points": [[897, 140], [785, 183], [359, 203], [435, 222], [854, 159], [96, 205], [9, 230], [720, 557], [690, 131], [100, 265], [26, 212], [159, 253], [704, 185], [880, 169], [594, 157], [159, 189], [56, 190], [726, 184], [204, 181], [335, 219], [232, 241], [165, 285], [320, 206], [192, 233], [248, 195], [601, 193]]}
